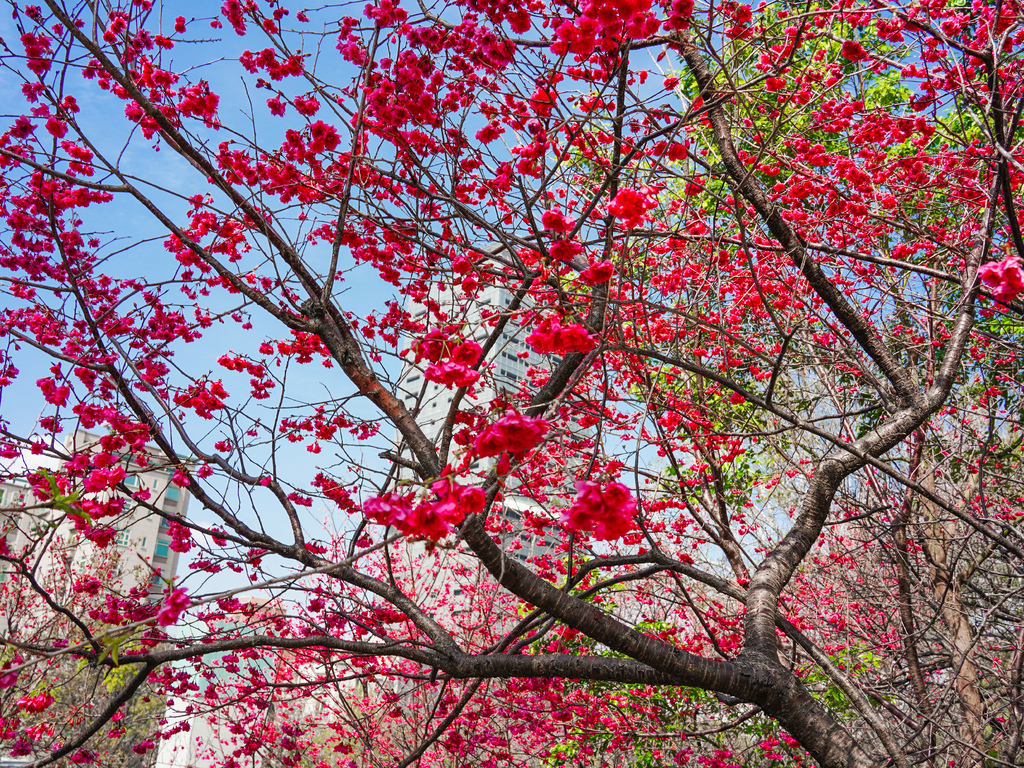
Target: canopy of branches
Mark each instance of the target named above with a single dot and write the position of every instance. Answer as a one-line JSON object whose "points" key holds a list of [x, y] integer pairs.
{"points": [[613, 382]]}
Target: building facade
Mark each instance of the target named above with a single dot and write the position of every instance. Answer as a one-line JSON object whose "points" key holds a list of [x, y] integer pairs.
{"points": [[141, 551]]}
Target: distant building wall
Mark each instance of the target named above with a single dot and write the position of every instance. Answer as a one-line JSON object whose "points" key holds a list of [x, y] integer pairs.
{"points": [[143, 542]]}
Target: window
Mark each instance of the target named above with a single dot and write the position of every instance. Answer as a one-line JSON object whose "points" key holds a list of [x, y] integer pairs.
{"points": [[171, 493], [123, 539], [163, 549], [131, 481]]}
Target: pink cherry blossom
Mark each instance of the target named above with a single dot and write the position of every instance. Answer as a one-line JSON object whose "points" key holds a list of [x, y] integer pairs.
{"points": [[432, 519], [565, 250], [1005, 278], [389, 509], [607, 512], [598, 273], [556, 221], [175, 603], [551, 337], [38, 703], [9, 678], [451, 374], [854, 51], [514, 433], [629, 206], [102, 479]]}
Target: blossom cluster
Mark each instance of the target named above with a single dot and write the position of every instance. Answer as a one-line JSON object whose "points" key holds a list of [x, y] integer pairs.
{"points": [[550, 337], [430, 519], [603, 24], [598, 273], [175, 603], [451, 362], [514, 433], [1005, 278], [607, 512], [630, 206], [38, 703]]}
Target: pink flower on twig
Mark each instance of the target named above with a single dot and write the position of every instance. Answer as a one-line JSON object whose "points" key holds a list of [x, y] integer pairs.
{"points": [[1004, 278], [513, 432], [175, 604], [608, 512]]}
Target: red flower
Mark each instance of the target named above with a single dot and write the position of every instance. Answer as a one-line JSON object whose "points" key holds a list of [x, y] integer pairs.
{"points": [[598, 273], [742, 15], [431, 519], [551, 337], [1004, 277], [307, 106], [629, 206], [556, 221], [52, 393], [488, 133], [854, 51], [514, 433], [172, 607], [467, 353], [565, 250], [102, 479], [56, 127], [388, 509], [451, 374], [22, 128], [21, 747], [90, 585], [455, 501], [542, 101], [8, 679], [276, 106], [38, 703], [431, 346], [519, 20], [608, 513]]}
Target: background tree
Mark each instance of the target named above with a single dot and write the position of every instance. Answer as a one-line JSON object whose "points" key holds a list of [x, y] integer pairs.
{"points": [[52, 582], [774, 441]]}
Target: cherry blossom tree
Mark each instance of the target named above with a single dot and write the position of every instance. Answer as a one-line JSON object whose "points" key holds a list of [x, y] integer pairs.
{"points": [[758, 496]]}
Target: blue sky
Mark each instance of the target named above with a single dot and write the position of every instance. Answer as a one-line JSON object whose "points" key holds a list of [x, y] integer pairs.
{"points": [[133, 239]]}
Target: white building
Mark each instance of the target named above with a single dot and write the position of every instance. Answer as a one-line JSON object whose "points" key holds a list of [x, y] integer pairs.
{"points": [[444, 571], [511, 355], [512, 360], [141, 549]]}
